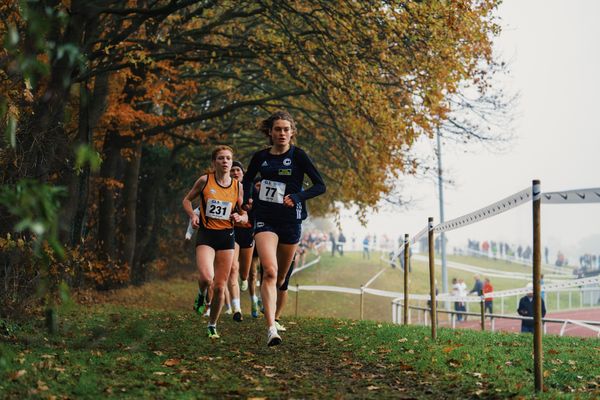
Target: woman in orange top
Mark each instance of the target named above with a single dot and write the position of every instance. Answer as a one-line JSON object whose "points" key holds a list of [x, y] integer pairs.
{"points": [[489, 301], [220, 197]]}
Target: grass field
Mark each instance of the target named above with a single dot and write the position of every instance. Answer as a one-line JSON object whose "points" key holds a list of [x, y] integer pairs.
{"points": [[352, 271], [144, 342]]}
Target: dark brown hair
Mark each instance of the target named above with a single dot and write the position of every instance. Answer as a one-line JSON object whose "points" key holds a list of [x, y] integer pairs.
{"points": [[266, 125]]}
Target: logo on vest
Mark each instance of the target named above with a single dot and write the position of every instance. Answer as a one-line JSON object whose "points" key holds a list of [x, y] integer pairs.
{"points": [[212, 191], [285, 172], [264, 164], [260, 224], [287, 162]]}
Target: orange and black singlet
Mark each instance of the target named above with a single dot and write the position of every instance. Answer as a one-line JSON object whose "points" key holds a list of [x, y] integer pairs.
{"points": [[217, 203]]}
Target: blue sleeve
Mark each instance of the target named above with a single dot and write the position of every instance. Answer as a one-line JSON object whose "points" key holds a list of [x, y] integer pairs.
{"points": [[249, 176], [309, 169]]}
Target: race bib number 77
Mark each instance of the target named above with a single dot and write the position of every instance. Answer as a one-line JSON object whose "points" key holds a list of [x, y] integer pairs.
{"points": [[272, 191]]}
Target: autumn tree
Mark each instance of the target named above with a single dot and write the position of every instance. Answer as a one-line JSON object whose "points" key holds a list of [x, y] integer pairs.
{"points": [[165, 80]]}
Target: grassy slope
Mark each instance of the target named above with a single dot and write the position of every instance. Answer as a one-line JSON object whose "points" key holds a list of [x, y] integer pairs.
{"points": [[352, 271], [145, 343]]}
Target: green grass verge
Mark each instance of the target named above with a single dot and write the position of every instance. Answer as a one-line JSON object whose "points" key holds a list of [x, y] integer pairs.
{"points": [[113, 351]]}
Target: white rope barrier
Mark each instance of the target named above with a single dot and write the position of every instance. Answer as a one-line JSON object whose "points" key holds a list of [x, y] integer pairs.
{"points": [[374, 277], [310, 264], [315, 288], [496, 208], [572, 196]]}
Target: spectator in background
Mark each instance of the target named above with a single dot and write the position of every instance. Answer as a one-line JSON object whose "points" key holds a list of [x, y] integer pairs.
{"points": [[546, 251], [526, 309], [488, 303], [485, 247], [333, 243], [560, 259], [366, 242], [457, 304], [462, 292], [542, 284], [341, 243], [477, 287]]}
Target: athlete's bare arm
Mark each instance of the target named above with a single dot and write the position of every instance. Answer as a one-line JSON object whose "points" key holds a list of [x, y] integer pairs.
{"points": [[192, 194]]}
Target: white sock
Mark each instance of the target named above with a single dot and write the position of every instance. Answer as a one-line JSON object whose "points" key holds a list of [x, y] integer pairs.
{"points": [[212, 325], [255, 299], [236, 304]]}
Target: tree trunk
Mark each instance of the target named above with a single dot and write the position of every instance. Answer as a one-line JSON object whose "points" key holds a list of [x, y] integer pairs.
{"points": [[107, 196], [130, 193], [90, 112]]}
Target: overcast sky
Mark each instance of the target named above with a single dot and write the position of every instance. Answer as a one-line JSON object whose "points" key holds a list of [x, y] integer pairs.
{"points": [[553, 48]]}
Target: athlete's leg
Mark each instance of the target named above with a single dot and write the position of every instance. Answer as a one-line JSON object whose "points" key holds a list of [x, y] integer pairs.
{"points": [[233, 285], [245, 260], [205, 256], [282, 295], [222, 265], [266, 245], [285, 255]]}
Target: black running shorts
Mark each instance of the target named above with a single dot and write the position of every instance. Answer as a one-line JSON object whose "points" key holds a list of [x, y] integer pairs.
{"points": [[217, 239]]}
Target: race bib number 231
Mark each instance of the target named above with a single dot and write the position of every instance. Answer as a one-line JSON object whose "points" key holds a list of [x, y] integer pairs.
{"points": [[218, 209]]}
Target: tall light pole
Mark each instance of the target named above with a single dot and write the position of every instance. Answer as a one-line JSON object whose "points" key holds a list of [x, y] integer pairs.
{"points": [[442, 235]]}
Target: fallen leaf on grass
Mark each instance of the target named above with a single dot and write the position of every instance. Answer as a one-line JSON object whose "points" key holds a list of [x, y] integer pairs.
{"points": [[158, 353], [41, 385], [373, 388], [171, 362], [17, 374], [159, 373], [402, 340]]}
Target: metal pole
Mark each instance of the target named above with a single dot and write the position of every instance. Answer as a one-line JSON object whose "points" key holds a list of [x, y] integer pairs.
{"points": [[442, 235], [432, 277], [537, 298], [406, 261]]}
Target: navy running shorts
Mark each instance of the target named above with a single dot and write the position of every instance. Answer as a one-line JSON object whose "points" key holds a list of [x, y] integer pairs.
{"points": [[217, 239], [244, 237], [288, 233]]}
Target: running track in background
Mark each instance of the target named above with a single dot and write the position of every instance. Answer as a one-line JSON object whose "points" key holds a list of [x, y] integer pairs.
{"points": [[508, 325]]}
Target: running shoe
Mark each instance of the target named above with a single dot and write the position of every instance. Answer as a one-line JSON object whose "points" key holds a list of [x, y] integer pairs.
{"points": [[237, 316], [280, 327], [254, 310], [200, 304], [273, 338], [244, 285], [228, 311], [212, 332]]}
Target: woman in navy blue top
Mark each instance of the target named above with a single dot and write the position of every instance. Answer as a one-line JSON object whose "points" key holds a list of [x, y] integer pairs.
{"points": [[279, 207]]}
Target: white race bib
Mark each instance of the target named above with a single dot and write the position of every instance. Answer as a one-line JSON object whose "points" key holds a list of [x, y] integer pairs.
{"points": [[218, 209], [272, 191]]}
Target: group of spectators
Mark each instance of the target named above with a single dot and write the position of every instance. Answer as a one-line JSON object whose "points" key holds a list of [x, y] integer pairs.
{"points": [[506, 251], [480, 288]]}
